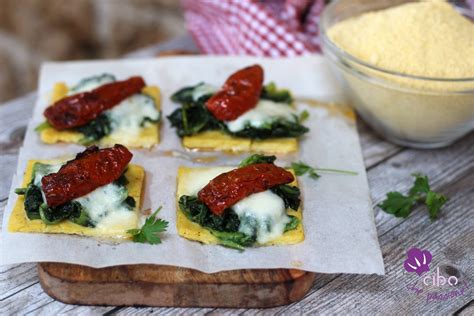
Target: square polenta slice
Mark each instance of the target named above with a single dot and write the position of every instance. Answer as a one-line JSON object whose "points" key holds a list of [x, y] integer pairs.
{"points": [[19, 222], [193, 231], [220, 141], [148, 137]]}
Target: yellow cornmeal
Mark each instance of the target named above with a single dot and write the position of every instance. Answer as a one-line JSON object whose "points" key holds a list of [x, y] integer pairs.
{"points": [[190, 230], [429, 39], [19, 222], [148, 137]]}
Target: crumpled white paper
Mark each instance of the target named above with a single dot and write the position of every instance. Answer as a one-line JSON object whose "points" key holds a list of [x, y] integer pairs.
{"points": [[337, 210]]}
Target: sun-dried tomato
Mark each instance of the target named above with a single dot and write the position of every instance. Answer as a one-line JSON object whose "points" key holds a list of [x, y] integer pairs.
{"points": [[79, 109], [90, 169], [239, 94], [228, 188]]}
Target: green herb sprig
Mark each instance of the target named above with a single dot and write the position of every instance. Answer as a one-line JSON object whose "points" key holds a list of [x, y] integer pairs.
{"points": [[150, 230], [301, 169], [401, 205]]}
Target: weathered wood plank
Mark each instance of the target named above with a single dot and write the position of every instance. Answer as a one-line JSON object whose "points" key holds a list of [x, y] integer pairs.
{"points": [[8, 164], [467, 310], [447, 238], [15, 278], [34, 300], [441, 165], [374, 149], [14, 116]]}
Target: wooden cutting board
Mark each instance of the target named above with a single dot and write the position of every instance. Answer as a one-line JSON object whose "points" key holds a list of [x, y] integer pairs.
{"points": [[153, 285]]}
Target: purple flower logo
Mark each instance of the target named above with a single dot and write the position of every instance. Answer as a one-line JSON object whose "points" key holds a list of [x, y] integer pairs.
{"points": [[417, 261]]}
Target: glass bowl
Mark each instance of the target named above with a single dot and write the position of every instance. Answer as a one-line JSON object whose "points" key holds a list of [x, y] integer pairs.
{"points": [[412, 111]]}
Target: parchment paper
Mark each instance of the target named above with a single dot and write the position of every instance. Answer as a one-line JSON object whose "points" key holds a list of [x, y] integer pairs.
{"points": [[337, 210]]}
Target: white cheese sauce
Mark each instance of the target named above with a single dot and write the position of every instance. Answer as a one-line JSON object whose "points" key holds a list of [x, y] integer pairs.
{"points": [[128, 116], [106, 208], [264, 113], [262, 214]]}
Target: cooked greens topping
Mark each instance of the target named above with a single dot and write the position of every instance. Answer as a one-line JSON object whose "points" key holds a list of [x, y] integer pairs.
{"points": [[256, 159], [95, 129], [266, 120], [193, 118], [236, 231], [150, 230], [401, 205], [271, 92], [82, 210], [274, 129], [42, 126]]}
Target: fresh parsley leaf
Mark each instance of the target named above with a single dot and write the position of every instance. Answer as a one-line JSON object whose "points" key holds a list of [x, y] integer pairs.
{"points": [[401, 205], [149, 231], [398, 204], [434, 201], [420, 186], [301, 168]]}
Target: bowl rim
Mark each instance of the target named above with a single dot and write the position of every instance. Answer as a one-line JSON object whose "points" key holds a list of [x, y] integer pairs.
{"points": [[336, 49]]}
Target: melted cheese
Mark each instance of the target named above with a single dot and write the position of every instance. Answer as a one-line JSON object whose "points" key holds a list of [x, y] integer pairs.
{"points": [[263, 214], [128, 116], [89, 84], [264, 113], [44, 171], [203, 89], [191, 180], [106, 208]]}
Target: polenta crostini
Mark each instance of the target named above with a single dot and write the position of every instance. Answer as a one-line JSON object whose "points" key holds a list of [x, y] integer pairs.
{"points": [[98, 193], [243, 115], [256, 204], [102, 110]]}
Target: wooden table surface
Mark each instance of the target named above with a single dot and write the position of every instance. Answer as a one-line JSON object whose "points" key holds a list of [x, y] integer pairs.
{"points": [[450, 239]]}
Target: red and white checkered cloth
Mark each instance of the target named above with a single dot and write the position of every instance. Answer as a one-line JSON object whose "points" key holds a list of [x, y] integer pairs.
{"points": [[255, 27]]}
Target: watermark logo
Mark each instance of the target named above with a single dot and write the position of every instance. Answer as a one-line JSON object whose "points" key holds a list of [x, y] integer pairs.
{"points": [[433, 285], [418, 261]]}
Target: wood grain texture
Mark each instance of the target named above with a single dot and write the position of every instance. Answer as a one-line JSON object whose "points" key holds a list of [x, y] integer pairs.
{"points": [[152, 285], [389, 167]]}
